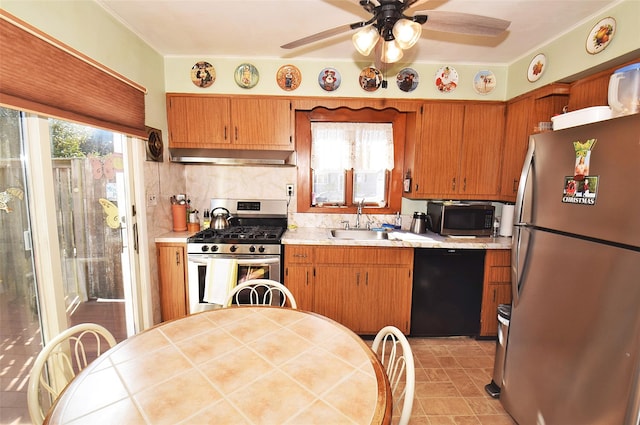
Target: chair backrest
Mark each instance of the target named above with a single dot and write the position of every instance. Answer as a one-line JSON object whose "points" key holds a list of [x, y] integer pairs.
{"points": [[261, 292], [59, 362], [396, 356]]}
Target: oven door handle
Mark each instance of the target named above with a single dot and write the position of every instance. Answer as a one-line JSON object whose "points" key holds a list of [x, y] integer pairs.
{"points": [[240, 262]]}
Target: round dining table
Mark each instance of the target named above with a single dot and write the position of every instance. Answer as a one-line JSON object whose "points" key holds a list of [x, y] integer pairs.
{"points": [[236, 365]]}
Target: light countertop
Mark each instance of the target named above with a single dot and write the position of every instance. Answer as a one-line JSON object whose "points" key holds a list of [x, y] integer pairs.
{"points": [[321, 236]]}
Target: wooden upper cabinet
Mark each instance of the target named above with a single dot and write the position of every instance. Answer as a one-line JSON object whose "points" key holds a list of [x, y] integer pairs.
{"points": [[197, 122], [458, 153], [524, 114], [219, 122]]}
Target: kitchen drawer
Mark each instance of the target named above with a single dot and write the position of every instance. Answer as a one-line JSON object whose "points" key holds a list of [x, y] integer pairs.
{"points": [[298, 254]]}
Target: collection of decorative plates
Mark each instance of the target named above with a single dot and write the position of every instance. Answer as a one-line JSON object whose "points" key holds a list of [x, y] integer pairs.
{"points": [[289, 77], [597, 40]]}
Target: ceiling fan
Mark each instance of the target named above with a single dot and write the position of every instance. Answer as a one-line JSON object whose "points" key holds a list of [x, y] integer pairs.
{"points": [[393, 30]]}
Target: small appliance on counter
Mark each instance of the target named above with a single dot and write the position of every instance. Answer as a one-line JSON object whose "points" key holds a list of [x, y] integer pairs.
{"points": [[418, 223], [624, 90], [460, 218]]}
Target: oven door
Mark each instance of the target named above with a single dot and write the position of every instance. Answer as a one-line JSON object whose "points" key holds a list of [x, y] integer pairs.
{"points": [[249, 267]]}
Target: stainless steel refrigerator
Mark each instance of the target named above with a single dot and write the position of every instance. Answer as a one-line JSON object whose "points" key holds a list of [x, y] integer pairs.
{"points": [[573, 349]]}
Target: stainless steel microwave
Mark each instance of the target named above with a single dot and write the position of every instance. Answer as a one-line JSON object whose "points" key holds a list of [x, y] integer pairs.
{"points": [[460, 219]]}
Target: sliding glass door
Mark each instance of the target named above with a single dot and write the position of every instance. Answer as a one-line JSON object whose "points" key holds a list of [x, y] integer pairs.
{"points": [[68, 248]]}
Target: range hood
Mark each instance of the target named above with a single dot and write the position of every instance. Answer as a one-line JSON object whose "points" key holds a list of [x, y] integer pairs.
{"points": [[232, 156]]}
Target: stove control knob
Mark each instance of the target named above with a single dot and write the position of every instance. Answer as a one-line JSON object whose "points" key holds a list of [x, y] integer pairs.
{"points": [[205, 248], [252, 248], [214, 248], [233, 248], [261, 249]]}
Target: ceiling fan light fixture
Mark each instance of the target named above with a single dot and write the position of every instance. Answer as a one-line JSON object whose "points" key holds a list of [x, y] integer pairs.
{"points": [[391, 52], [365, 39], [406, 32]]}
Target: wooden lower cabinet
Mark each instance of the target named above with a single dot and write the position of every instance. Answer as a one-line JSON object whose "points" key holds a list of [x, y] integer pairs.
{"points": [[496, 289], [364, 288], [172, 276]]}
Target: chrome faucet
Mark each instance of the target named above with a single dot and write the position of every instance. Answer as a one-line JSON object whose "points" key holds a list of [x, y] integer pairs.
{"points": [[359, 213]]}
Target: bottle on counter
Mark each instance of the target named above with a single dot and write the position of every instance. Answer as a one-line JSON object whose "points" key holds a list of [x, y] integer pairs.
{"points": [[206, 223], [496, 227], [398, 223]]}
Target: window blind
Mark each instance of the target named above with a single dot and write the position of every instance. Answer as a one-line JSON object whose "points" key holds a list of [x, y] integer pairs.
{"points": [[42, 75]]}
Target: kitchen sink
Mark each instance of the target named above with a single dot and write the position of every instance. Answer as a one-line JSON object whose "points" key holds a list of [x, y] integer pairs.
{"points": [[358, 234]]}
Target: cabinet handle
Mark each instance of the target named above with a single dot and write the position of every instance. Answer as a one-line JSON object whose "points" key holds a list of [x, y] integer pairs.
{"points": [[236, 131], [306, 277], [515, 186], [225, 132], [358, 279], [464, 185], [366, 278], [300, 255], [453, 184], [177, 258]]}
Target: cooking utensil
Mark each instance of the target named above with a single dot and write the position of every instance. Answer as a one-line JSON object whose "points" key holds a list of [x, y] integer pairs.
{"points": [[220, 219]]}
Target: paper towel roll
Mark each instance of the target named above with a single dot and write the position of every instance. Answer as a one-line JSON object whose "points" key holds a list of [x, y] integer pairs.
{"points": [[506, 221]]}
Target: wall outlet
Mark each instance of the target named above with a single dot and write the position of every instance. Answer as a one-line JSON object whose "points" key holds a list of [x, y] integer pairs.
{"points": [[152, 200], [289, 190]]}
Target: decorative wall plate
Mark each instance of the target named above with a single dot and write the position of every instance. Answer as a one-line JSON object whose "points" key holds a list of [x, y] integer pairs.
{"points": [[329, 79], [203, 74], [407, 79], [288, 77], [601, 35], [446, 79], [154, 145], [246, 76], [536, 67], [484, 82], [370, 79]]}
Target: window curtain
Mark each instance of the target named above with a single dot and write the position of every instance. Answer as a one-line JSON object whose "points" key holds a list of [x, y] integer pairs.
{"points": [[42, 75], [358, 146]]}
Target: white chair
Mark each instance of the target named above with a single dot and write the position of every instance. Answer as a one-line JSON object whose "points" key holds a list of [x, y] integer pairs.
{"points": [[261, 292], [59, 362], [396, 356]]}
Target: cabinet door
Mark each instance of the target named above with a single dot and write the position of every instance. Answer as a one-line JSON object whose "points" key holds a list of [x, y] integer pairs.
{"points": [[262, 123], [299, 280], [172, 279], [385, 295], [482, 150], [438, 150], [197, 121], [334, 291], [517, 130], [497, 289]]}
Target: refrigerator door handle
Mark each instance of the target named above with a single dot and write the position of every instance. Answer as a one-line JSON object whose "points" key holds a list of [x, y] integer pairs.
{"points": [[517, 248]]}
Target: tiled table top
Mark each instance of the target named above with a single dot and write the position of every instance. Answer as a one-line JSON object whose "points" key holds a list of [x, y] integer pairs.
{"points": [[239, 365]]}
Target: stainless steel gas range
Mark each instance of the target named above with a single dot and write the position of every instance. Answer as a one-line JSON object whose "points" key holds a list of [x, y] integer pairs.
{"points": [[251, 240]]}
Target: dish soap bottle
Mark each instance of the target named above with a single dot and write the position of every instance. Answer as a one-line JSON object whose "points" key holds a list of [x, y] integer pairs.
{"points": [[206, 223], [398, 224]]}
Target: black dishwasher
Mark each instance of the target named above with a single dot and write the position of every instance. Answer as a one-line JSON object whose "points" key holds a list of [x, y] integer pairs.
{"points": [[447, 292]]}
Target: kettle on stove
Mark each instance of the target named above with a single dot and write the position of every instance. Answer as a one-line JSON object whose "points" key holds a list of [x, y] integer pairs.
{"points": [[220, 220]]}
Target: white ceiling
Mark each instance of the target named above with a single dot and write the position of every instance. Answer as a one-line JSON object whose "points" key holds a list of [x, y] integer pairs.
{"points": [[257, 28]]}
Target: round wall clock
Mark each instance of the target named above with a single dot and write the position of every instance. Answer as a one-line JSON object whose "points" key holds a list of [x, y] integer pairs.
{"points": [[246, 76], [288, 77], [601, 35], [203, 74]]}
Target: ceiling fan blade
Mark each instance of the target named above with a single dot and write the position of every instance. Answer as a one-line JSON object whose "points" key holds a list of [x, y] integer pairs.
{"points": [[322, 35], [463, 23]]}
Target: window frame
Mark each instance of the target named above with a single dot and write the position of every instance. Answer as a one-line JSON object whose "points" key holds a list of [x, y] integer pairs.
{"points": [[303, 120]]}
